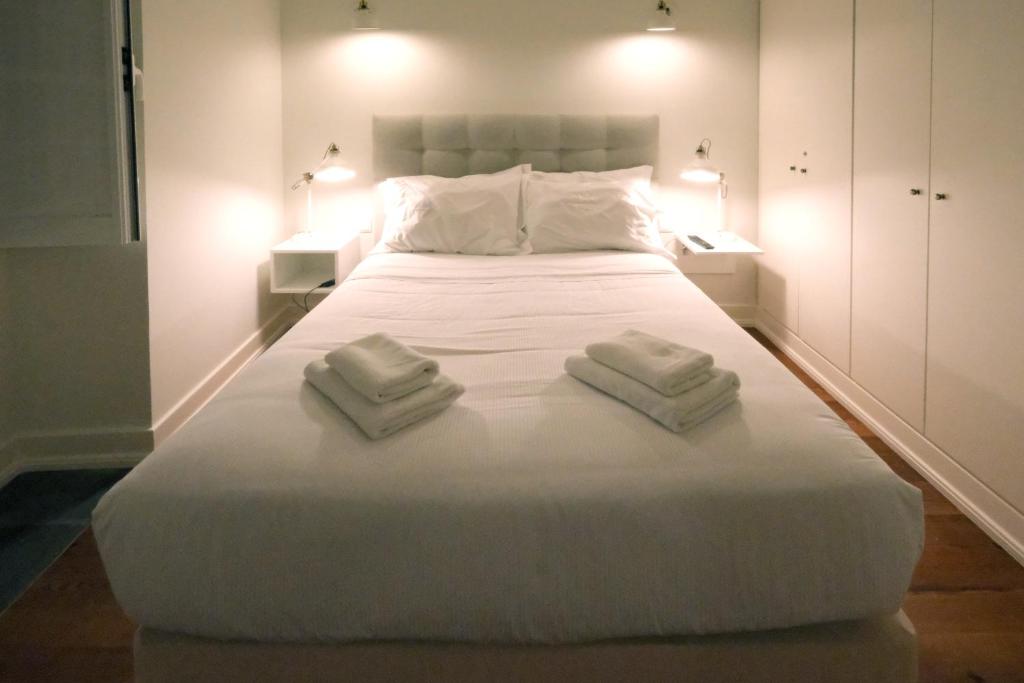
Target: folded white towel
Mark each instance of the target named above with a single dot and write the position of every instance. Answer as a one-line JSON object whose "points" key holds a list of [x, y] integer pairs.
{"points": [[678, 413], [381, 419], [660, 364], [381, 368]]}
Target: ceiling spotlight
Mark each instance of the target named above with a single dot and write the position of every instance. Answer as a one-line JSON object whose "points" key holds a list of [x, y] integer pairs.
{"points": [[661, 19], [364, 18]]}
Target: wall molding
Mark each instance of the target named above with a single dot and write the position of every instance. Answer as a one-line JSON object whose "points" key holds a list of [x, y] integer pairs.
{"points": [[208, 387], [1003, 523]]}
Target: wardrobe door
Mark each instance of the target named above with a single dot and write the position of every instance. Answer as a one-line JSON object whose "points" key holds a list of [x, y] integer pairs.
{"points": [[975, 390], [806, 94], [891, 140], [781, 105], [827, 73]]}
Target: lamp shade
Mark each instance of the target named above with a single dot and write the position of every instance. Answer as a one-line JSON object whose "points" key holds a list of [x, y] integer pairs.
{"points": [[333, 169], [661, 18], [364, 18], [701, 170]]}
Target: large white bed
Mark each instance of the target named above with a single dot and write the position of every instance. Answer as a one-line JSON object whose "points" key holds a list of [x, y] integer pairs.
{"points": [[536, 509], [538, 528]]}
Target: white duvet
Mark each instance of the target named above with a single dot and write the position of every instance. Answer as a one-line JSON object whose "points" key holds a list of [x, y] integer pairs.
{"points": [[536, 508]]}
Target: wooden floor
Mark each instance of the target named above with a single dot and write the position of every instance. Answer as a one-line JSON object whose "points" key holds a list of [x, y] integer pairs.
{"points": [[966, 601]]}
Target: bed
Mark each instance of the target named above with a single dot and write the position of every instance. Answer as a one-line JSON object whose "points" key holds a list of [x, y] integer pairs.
{"points": [[538, 529]]}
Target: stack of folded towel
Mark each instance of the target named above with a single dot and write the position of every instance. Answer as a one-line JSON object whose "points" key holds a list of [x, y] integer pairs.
{"points": [[382, 384], [678, 386]]}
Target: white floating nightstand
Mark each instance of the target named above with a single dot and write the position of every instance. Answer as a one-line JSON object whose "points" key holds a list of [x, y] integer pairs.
{"points": [[709, 251], [721, 243], [306, 260], [720, 257]]}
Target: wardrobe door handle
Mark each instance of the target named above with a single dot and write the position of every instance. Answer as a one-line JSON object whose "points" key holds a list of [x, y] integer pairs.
{"points": [[792, 168], [940, 196], [916, 191]]}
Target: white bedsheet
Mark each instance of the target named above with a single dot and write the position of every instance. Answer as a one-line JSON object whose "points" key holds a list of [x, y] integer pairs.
{"points": [[536, 508]]}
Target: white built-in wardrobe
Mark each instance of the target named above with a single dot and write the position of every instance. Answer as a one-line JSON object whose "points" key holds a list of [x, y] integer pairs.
{"points": [[892, 217]]}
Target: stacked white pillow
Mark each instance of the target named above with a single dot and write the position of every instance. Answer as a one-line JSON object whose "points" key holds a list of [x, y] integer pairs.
{"points": [[522, 211], [475, 214], [588, 210]]}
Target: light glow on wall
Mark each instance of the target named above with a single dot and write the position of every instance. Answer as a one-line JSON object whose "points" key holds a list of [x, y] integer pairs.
{"points": [[344, 213], [371, 57], [647, 58], [245, 219]]}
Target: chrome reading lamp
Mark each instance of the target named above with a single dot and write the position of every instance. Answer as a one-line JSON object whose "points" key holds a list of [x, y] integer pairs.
{"points": [[661, 19], [701, 170], [364, 18], [331, 169]]}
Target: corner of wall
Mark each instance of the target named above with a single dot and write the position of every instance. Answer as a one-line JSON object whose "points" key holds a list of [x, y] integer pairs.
{"points": [[214, 193]]}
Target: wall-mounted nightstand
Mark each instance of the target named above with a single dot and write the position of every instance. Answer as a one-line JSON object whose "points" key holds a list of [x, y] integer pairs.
{"points": [[720, 258], [299, 264]]}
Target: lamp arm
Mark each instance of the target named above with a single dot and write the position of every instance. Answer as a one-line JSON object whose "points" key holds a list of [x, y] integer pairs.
{"points": [[306, 179], [331, 149]]}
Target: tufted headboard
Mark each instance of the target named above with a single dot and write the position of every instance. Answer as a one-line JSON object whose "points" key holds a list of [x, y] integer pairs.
{"points": [[459, 144]]}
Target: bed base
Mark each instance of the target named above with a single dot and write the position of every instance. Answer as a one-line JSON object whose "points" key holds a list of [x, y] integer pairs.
{"points": [[881, 650]]}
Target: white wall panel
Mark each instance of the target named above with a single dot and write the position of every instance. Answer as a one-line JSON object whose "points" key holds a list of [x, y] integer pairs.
{"points": [[80, 356], [891, 133], [825, 131], [781, 214], [805, 141], [975, 390]]}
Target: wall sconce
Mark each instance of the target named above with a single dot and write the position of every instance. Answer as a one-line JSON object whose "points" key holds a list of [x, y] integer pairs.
{"points": [[661, 19], [364, 18], [331, 169], [701, 170]]}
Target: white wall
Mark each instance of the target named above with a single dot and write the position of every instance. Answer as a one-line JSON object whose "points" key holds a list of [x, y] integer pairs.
{"points": [[529, 56], [6, 373], [79, 360], [213, 183]]}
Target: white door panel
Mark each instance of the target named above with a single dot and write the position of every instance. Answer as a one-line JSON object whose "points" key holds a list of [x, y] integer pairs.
{"points": [[891, 133], [975, 376], [781, 102], [805, 138], [826, 136]]}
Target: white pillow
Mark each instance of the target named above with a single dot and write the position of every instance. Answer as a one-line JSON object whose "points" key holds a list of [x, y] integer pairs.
{"points": [[476, 214], [638, 176], [583, 215]]}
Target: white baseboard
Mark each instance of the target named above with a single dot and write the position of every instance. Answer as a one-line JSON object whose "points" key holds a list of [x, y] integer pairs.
{"points": [[33, 452], [1003, 523], [201, 394]]}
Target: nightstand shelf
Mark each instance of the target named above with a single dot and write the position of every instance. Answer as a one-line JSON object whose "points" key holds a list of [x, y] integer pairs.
{"points": [[696, 259], [723, 243], [304, 261]]}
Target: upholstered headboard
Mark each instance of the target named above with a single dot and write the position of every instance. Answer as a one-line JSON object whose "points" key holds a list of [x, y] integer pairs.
{"points": [[459, 144]]}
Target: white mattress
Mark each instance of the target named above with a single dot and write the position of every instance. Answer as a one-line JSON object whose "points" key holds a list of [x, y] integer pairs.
{"points": [[535, 509]]}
